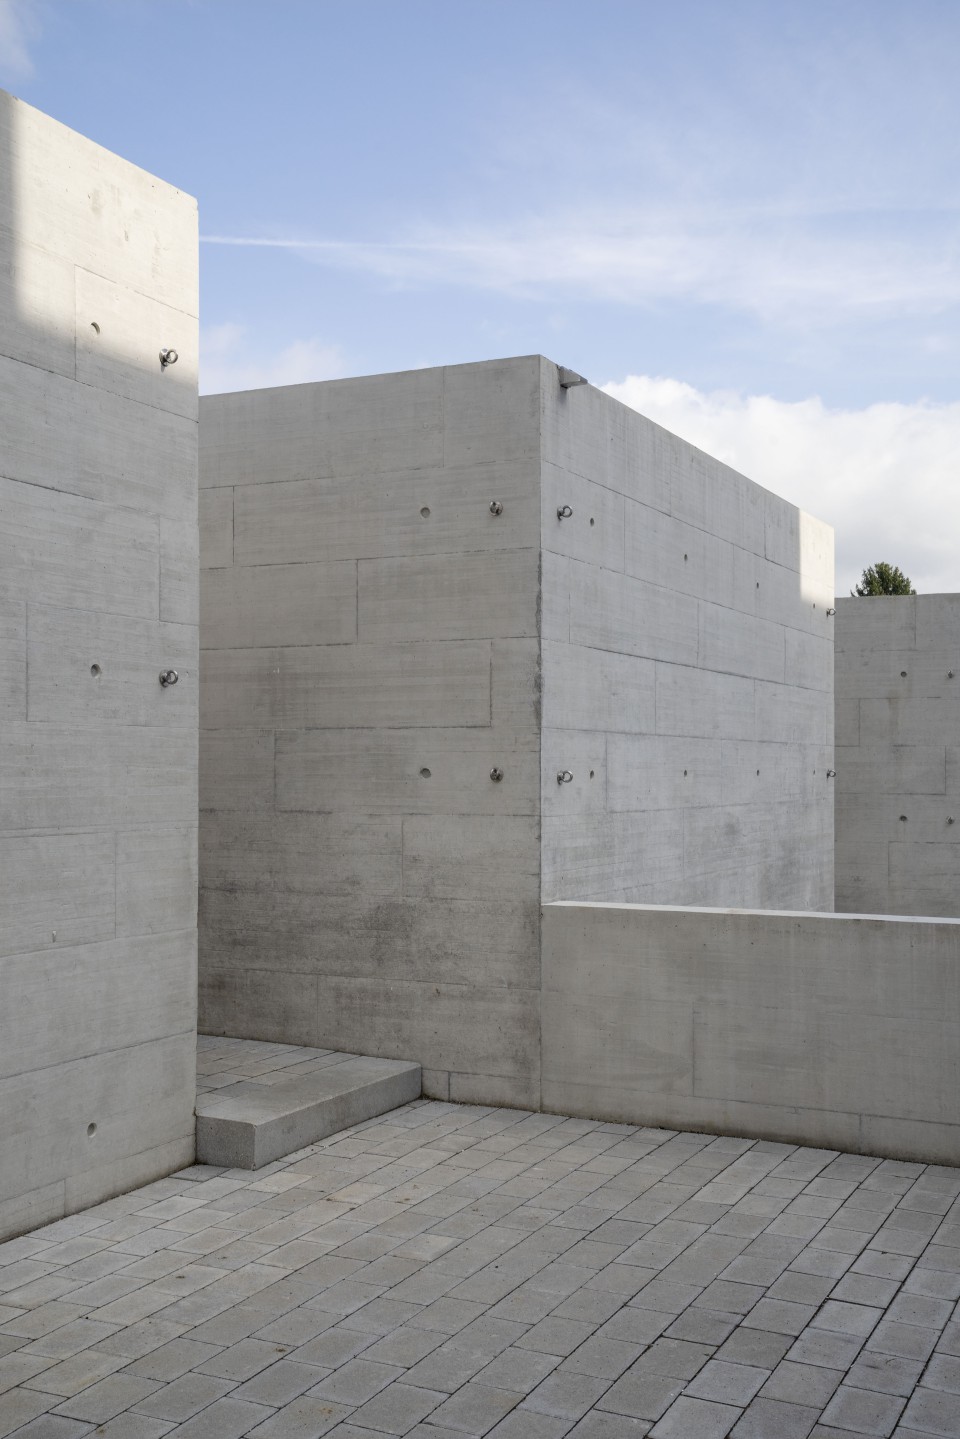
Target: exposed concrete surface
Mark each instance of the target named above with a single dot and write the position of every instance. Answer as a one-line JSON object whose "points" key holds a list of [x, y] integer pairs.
{"points": [[377, 643], [687, 672], [453, 1270], [370, 656], [98, 594], [817, 1029], [898, 754], [260, 1102]]}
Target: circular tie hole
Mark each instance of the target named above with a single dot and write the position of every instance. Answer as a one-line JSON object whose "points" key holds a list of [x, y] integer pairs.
{"points": [[424, 773], [95, 327], [425, 512], [96, 671], [91, 1130], [903, 674]]}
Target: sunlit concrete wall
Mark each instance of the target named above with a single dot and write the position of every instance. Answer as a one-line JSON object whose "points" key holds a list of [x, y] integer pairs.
{"points": [[370, 658], [831, 1030], [687, 672], [98, 594], [898, 754], [378, 645]]}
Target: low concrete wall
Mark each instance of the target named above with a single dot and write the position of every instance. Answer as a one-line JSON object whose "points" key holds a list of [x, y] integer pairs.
{"points": [[823, 1029], [898, 754]]}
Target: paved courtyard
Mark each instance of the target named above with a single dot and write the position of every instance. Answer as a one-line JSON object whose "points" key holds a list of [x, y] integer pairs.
{"points": [[454, 1270]]}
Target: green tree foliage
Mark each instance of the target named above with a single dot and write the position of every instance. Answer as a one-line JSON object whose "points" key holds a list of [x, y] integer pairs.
{"points": [[883, 579]]}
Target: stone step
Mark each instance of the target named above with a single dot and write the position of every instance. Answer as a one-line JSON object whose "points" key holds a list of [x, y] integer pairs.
{"points": [[275, 1099]]}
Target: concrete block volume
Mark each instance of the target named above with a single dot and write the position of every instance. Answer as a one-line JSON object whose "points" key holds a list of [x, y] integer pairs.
{"points": [[473, 641], [98, 595]]}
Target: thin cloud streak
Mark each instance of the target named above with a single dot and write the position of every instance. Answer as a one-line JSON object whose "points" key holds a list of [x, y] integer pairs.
{"points": [[775, 263]]}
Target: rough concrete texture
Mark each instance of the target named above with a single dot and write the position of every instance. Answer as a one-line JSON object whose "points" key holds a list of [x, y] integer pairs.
{"points": [[370, 656], [833, 1030], [98, 594], [450, 1270], [260, 1102], [377, 643], [898, 754], [687, 672]]}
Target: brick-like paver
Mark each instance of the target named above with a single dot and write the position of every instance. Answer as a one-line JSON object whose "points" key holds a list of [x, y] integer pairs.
{"points": [[453, 1270]]}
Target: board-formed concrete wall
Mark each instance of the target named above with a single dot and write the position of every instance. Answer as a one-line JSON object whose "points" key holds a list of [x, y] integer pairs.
{"points": [[821, 1029], [370, 656], [898, 754], [98, 594], [687, 672], [375, 642]]}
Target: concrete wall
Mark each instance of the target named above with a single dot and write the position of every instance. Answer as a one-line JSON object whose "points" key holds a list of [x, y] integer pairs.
{"points": [[98, 593], [687, 672], [818, 1029], [375, 642], [370, 654], [898, 754]]}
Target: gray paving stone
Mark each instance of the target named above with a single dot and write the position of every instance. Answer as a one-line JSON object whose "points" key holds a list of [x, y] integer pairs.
{"points": [[727, 1383], [597, 1425], [279, 1383], [801, 1383], [839, 1317], [912, 1341], [184, 1397], [771, 1419], [356, 1381], [107, 1398], [863, 1410], [675, 1357], [133, 1426], [397, 1408], [752, 1346], [829, 1350], [566, 1395], [556, 1336], [525, 1423], [934, 1412], [476, 1408], [519, 1369], [641, 1395], [50, 1426], [696, 1419], [702, 1326], [887, 1373], [306, 1418]]}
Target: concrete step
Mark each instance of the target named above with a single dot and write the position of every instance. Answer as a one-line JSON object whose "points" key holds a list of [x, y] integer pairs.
{"points": [[257, 1102]]}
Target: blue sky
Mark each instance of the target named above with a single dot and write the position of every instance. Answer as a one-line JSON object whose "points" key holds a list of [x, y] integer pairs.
{"points": [[742, 216]]}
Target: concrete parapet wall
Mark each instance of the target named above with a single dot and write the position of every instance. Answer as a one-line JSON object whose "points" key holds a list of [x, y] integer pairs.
{"points": [[98, 594], [898, 754], [822, 1029]]}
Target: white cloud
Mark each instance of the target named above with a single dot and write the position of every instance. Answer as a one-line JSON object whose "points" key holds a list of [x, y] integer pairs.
{"points": [[776, 261], [18, 27], [887, 477], [229, 360]]}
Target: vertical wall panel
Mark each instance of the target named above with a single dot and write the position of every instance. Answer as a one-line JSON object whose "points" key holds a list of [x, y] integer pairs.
{"points": [[98, 581]]}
